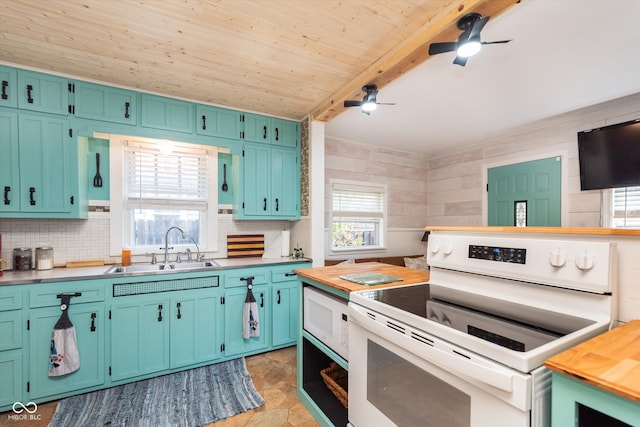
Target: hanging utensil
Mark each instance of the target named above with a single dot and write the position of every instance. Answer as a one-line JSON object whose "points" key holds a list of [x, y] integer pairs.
{"points": [[97, 180], [225, 187]]}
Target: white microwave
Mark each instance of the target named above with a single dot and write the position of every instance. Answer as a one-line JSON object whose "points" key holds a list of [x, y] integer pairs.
{"points": [[325, 317]]}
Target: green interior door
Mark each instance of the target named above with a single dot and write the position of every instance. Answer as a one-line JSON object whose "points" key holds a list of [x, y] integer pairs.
{"points": [[525, 193]]}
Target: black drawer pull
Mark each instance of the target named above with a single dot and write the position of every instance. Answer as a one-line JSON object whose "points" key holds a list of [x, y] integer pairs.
{"points": [[278, 296], [29, 98], [31, 191], [264, 132], [159, 312], [178, 306], [6, 195], [290, 274], [126, 110], [93, 322], [264, 206], [204, 122], [5, 84], [277, 137]]}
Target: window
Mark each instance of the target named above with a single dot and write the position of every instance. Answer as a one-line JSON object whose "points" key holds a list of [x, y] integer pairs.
{"points": [[358, 216], [625, 207], [164, 184]]}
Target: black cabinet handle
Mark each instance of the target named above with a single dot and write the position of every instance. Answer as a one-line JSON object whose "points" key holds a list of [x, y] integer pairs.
{"points": [[291, 273], [159, 312], [261, 299], [178, 306], [278, 296], [277, 205], [264, 207], [93, 322], [6, 195], [71, 200], [29, 98], [204, 122], [126, 110], [31, 191], [277, 136], [5, 84], [264, 132]]}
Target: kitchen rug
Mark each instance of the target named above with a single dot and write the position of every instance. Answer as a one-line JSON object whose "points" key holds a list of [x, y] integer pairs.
{"points": [[189, 398]]}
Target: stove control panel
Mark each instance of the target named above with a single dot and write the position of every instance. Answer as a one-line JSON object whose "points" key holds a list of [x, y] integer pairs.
{"points": [[493, 253]]}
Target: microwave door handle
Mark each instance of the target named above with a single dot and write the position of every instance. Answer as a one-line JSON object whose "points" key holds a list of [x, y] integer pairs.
{"points": [[460, 363]]}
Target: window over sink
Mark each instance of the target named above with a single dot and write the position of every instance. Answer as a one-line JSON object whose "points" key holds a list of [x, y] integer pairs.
{"points": [[163, 184]]}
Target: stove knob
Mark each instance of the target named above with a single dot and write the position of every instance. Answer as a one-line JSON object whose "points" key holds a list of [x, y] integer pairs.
{"points": [[434, 247], [558, 258], [448, 248], [445, 320], [585, 261]]}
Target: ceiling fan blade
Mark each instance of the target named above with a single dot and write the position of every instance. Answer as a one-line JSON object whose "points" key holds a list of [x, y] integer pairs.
{"points": [[436, 48], [499, 41], [386, 103], [460, 60], [478, 26], [351, 103]]}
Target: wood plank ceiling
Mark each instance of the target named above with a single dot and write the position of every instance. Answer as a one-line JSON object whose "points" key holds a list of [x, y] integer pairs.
{"points": [[286, 58]]}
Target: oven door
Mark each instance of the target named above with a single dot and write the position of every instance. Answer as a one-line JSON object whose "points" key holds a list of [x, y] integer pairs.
{"points": [[399, 376]]}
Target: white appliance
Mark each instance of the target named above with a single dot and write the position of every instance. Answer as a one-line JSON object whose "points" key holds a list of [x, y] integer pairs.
{"points": [[467, 349], [325, 317]]}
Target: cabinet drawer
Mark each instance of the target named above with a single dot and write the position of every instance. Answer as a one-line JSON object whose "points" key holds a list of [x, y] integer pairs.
{"points": [[284, 273], [11, 298], [46, 295], [260, 277], [10, 330]]}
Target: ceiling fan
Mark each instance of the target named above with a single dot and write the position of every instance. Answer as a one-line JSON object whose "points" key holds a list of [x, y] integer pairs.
{"points": [[469, 42], [369, 102]]}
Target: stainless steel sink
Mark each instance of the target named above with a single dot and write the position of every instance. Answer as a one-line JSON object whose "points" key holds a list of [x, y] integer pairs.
{"points": [[160, 268]]}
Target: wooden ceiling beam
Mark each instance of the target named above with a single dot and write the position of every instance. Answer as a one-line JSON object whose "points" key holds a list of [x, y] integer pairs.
{"points": [[408, 54]]}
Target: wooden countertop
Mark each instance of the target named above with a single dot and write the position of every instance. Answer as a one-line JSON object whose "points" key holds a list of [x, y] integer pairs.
{"points": [[330, 276], [610, 361], [543, 230]]}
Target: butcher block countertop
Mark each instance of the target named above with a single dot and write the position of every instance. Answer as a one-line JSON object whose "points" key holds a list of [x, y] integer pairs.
{"points": [[330, 276], [541, 230], [610, 361]]}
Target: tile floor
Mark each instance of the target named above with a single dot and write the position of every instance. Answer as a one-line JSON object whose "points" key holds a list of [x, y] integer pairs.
{"points": [[274, 376]]}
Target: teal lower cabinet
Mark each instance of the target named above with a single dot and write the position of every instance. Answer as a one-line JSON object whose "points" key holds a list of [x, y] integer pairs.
{"points": [[234, 343], [284, 306], [139, 337], [11, 348], [195, 329], [12, 387], [577, 403], [89, 322]]}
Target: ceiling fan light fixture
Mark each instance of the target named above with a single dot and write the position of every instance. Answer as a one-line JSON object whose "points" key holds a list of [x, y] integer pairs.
{"points": [[369, 106], [469, 48]]}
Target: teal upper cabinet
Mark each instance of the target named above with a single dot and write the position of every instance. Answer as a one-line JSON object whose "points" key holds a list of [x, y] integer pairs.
{"points": [[43, 92], [219, 122], [270, 130], [8, 78], [9, 167], [166, 113], [105, 103], [269, 186]]}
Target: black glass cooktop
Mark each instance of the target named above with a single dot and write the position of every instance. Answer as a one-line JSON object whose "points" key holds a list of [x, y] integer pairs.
{"points": [[514, 326]]}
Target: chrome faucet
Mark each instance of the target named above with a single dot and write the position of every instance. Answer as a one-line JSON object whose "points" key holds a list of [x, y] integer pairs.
{"points": [[166, 243]]}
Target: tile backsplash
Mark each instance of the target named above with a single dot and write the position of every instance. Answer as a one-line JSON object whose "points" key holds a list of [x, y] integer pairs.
{"points": [[78, 240]]}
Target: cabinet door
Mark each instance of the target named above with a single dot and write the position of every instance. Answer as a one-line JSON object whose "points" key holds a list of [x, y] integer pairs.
{"points": [[284, 183], [9, 162], [139, 338], [195, 322], [44, 164], [219, 122], [88, 320], [284, 132], [285, 313], [105, 103], [42, 92], [234, 343], [166, 113], [12, 386], [8, 78], [256, 183], [256, 128]]}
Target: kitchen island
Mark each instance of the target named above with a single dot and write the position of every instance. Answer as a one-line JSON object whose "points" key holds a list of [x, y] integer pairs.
{"points": [[316, 353]]}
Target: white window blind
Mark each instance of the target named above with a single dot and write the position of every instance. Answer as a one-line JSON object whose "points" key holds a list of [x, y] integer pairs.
{"points": [[626, 207], [155, 177], [355, 201]]}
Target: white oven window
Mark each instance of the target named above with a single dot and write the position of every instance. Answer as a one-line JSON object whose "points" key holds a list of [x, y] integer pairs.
{"points": [[410, 396]]}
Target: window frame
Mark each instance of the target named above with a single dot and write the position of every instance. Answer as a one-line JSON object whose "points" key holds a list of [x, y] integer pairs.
{"points": [[383, 219], [120, 219], [611, 207]]}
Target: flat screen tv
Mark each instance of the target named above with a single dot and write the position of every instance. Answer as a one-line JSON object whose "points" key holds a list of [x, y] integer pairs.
{"points": [[610, 156]]}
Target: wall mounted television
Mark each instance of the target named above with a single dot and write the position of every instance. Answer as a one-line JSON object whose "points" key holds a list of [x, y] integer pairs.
{"points": [[610, 156]]}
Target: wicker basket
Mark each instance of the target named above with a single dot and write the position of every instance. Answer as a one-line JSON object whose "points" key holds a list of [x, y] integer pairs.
{"points": [[336, 380]]}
